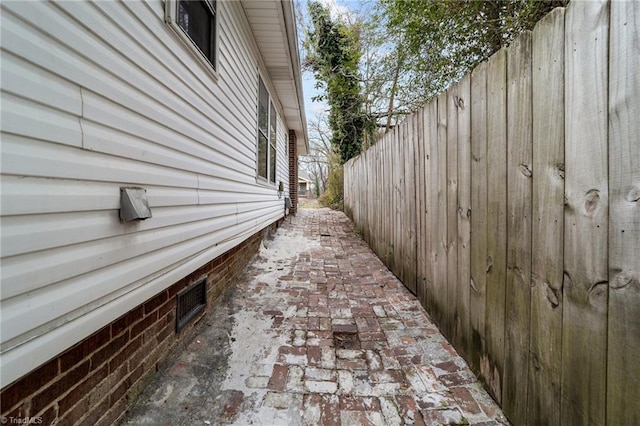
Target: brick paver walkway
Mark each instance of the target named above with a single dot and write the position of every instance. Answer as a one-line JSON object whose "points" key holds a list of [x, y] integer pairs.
{"points": [[317, 332]]}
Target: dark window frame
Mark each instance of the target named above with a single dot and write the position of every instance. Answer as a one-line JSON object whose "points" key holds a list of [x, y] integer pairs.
{"points": [[192, 36]]}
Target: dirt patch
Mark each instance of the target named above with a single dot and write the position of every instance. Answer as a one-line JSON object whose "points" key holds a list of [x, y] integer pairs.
{"points": [[346, 340]]}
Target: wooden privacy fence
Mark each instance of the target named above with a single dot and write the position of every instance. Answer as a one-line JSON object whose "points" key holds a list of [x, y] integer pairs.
{"points": [[510, 206]]}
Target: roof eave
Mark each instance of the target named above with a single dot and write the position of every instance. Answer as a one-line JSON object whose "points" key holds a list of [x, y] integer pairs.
{"points": [[274, 28], [292, 38]]}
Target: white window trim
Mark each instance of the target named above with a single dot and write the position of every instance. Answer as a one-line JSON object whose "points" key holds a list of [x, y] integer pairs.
{"points": [[171, 18], [260, 179]]}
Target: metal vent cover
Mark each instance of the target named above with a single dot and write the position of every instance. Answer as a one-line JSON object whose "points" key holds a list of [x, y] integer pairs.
{"points": [[190, 302]]}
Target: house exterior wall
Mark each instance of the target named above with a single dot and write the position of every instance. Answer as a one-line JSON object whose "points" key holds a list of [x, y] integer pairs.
{"points": [[293, 171], [95, 381], [101, 95]]}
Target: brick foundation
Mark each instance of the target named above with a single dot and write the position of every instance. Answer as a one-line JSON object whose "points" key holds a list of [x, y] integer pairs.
{"points": [[293, 171], [97, 380]]}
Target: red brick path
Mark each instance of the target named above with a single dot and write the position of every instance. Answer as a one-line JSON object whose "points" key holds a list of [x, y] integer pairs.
{"points": [[318, 332]]}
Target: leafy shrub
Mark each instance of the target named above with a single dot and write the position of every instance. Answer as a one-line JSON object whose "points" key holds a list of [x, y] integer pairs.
{"points": [[333, 196]]}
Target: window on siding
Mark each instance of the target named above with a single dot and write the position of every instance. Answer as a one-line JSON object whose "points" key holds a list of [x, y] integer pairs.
{"points": [[267, 126], [272, 143], [195, 23]]}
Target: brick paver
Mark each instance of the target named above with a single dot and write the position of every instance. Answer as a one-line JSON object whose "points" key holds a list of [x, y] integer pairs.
{"points": [[317, 332]]}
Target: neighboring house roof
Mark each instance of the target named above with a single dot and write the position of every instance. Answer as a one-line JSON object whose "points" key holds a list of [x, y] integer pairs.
{"points": [[274, 28], [303, 176]]}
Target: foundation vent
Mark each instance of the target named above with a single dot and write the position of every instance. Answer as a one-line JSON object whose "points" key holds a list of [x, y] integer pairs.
{"points": [[190, 302]]}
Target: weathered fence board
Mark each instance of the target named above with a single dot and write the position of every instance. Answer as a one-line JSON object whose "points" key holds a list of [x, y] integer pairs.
{"points": [[396, 182], [393, 192], [510, 204], [426, 212], [380, 203], [462, 336], [398, 165], [623, 360], [492, 365], [518, 290], [409, 222], [396, 247], [543, 405], [452, 211], [386, 173], [432, 202], [391, 214], [405, 226], [440, 229], [366, 214], [478, 213], [584, 330], [421, 222]]}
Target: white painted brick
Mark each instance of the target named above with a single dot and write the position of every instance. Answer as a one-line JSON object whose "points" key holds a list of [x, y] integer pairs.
{"points": [[373, 360], [312, 373], [350, 354], [346, 382], [294, 379], [320, 387], [379, 311], [328, 359]]}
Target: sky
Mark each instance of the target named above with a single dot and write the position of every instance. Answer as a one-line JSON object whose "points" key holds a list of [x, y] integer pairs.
{"points": [[337, 8], [311, 108]]}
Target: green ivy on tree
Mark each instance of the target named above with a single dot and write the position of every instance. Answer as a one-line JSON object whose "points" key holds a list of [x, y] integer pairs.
{"points": [[333, 54]]}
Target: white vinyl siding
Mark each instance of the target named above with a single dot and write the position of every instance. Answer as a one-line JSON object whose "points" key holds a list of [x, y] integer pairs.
{"points": [[99, 95], [282, 148]]}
